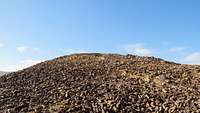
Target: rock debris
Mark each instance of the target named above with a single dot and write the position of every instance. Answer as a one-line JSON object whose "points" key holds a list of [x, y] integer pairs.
{"points": [[102, 83]]}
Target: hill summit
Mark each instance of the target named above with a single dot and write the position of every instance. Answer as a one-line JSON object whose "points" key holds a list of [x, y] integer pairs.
{"points": [[87, 83]]}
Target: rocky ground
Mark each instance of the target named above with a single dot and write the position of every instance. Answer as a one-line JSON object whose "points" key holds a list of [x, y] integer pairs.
{"points": [[102, 83]]}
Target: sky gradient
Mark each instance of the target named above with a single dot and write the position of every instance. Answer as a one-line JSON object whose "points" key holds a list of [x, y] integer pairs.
{"points": [[36, 30]]}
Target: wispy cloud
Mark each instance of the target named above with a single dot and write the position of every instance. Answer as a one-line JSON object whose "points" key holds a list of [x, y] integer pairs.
{"points": [[193, 58], [138, 49], [21, 49], [38, 50], [72, 51], [21, 65], [2, 45], [27, 63], [177, 49]]}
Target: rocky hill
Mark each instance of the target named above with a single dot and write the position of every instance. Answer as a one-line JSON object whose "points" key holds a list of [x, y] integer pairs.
{"points": [[87, 83]]}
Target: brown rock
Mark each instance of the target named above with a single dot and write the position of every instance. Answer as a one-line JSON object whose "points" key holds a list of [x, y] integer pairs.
{"points": [[88, 83]]}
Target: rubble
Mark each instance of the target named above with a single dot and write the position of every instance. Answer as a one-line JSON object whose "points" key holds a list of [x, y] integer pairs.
{"points": [[105, 83]]}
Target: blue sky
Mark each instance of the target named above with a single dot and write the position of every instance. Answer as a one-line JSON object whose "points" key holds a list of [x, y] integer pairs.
{"points": [[36, 30]]}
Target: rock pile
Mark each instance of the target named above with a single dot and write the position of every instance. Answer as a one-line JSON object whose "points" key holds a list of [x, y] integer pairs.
{"points": [[104, 83]]}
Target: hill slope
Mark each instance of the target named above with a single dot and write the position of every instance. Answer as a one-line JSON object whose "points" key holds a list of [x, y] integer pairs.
{"points": [[102, 83]]}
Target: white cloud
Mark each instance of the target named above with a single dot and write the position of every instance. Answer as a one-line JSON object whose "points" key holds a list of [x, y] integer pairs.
{"points": [[2, 45], [21, 65], [21, 49], [177, 49], [28, 63], [193, 58], [38, 50], [138, 49], [8, 68], [72, 51]]}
